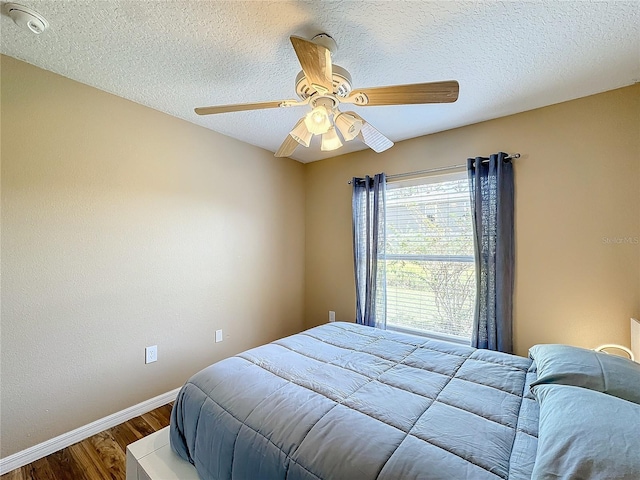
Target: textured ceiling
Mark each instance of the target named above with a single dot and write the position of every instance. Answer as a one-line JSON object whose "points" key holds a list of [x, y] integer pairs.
{"points": [[173, 56]]}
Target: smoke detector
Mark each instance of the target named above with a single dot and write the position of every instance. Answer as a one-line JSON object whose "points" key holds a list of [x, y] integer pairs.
{"points": [[26, 18]]}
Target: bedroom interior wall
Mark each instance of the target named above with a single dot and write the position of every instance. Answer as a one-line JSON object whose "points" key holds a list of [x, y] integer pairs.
{"points": [[123, 227], [577, 216]]}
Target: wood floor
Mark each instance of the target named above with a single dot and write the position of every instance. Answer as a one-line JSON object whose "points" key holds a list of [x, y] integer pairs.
{"points": [[96, 458]]}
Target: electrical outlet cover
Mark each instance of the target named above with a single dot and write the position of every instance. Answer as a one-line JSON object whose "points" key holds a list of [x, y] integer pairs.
{"points": [[151, 354], [218, 336]]}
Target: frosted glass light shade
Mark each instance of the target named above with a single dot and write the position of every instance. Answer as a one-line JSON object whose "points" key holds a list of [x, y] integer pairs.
{"points": [[317, 120], [348, 125], [301, 134], [330, 141]]}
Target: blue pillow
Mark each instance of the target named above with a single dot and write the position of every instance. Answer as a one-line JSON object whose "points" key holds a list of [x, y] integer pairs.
{"points": [[586, 435], [566, 365]]}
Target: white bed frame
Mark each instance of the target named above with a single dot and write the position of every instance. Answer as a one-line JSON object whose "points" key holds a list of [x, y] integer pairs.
{"points": [[151, 458]]}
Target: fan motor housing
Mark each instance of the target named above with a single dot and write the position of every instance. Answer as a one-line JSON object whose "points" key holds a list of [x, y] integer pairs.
{"points": [[341, 84]]}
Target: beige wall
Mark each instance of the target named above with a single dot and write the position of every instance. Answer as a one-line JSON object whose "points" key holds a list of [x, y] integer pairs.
{"points": [[124, 227], [577, 183]]}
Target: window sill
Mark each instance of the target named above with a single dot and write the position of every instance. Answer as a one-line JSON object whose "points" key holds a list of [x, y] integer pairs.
{"points": [[433, 335]]}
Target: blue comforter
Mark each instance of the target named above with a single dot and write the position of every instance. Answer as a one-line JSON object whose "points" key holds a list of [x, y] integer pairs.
{"points": [[343, 401]]}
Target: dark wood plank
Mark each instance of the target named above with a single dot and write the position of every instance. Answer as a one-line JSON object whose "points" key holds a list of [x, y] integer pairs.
{"points": [[39, 470], [110, 454], [17, 474], [162, 416], [89, 460], [101, 457], [164, 411], [153, 421], [125, 435], [141, 426], [65, 466]]}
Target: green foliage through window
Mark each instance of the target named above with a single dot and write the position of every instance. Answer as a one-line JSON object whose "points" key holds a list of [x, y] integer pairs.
{"points": [[430, 271]]}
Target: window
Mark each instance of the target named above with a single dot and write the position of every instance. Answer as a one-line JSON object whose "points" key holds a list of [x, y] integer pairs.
{"points": [[430, 269]]}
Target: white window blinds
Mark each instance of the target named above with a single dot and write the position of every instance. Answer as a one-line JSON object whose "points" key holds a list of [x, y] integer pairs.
{"points": [[430, 270]]}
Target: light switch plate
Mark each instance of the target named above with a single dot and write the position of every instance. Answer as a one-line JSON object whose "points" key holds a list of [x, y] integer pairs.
{"points": [[218, 336]]}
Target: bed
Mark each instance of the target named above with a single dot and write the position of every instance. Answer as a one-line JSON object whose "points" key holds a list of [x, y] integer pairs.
{"points": [[344, 401]]}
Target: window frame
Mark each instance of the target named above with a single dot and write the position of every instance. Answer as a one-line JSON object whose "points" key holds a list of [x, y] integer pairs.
{"points": [[460, 174]]}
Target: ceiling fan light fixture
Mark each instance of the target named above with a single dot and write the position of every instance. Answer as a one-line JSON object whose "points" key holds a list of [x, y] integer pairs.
{"points": [[324, 86], [317, 120], [348, 125], [330, 141], [301, 134]]}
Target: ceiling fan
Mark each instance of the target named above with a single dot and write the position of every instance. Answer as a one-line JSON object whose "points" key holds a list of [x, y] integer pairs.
{"points": [[325, 86]]}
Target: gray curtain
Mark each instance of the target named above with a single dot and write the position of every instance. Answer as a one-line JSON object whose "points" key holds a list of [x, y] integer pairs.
{"points": [[491, 187], [368, 207]]}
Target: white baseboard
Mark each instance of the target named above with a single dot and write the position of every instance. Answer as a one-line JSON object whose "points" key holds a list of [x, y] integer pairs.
{"points": [[48, 447]]}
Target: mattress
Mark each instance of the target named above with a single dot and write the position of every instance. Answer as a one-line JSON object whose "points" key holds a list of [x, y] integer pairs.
{"points": [[344, 401]]}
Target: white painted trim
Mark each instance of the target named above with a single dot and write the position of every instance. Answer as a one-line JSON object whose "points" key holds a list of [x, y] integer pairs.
{"points": [[429, 334], [48, 447]]}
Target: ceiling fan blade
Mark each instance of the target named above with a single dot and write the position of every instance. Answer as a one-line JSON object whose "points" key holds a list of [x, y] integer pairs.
{"points": [[371, 137], [316, 63], [289, 145], [374, 139], [434, 92], [239, 107]]}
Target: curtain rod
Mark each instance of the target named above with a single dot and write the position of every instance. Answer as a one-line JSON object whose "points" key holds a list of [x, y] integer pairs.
{"points": [[441, 169]]}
